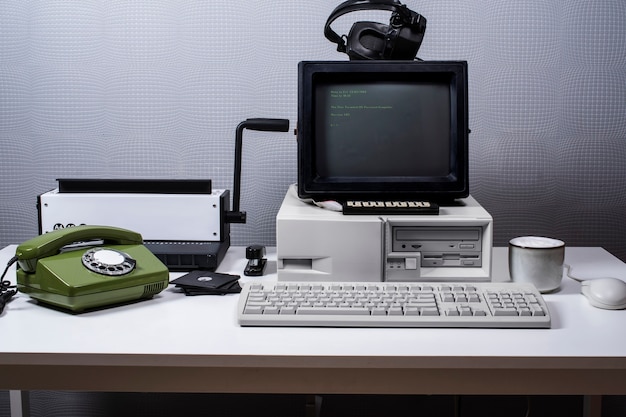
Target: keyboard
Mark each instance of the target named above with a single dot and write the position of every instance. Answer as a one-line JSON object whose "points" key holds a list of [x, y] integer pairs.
{"points": [[390, 207], [385, 304]]}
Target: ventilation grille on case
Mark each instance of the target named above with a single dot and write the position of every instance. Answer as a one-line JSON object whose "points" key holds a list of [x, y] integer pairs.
{"points": [[152, 289], [187, 261]]}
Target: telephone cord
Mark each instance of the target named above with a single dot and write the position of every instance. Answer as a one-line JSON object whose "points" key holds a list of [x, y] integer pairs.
{"points": [[7, 290]]}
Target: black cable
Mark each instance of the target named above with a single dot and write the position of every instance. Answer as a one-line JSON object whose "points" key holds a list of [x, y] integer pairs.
{"points": [[6, 289]]}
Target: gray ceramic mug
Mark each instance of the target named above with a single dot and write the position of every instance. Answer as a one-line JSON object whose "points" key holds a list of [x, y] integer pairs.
{"points": [[537, 260]]}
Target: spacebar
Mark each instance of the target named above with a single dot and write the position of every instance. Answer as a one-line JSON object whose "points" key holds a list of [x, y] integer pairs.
{"points": [[334, 311]]}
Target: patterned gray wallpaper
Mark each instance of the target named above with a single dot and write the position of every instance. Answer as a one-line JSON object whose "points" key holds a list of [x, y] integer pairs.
{"points": [[150, 89]]}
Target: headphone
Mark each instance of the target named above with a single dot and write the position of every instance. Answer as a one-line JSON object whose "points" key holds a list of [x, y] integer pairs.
{"points": [[399, 40]]}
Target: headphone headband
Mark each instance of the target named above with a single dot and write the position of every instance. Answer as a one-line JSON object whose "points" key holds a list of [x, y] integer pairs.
{"points": [[404, 16]]}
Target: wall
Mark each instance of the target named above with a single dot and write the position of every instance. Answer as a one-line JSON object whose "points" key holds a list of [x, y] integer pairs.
{"points": [[149, 89]]}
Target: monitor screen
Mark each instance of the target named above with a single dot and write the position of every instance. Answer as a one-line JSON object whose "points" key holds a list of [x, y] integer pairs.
{"points": [[382, 130]]}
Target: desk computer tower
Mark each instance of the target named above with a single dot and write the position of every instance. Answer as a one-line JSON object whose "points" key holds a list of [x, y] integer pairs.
{"points": [[316, 244]]}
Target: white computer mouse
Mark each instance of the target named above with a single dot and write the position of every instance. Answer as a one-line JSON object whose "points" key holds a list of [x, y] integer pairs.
{"points": [[608, 293]]}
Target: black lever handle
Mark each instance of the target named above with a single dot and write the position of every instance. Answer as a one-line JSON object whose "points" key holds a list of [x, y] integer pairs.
{"points": [[264, 125]]}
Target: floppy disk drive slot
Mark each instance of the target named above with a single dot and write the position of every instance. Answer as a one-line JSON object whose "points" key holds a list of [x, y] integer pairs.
{"points": [[451, 259]]}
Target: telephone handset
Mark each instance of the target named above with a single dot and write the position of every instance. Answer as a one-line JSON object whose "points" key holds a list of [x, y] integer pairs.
{"points": [[83, 267], [51, 243]]}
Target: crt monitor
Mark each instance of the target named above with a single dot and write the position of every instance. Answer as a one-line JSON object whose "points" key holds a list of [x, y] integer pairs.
{"points": [[383, 130]]}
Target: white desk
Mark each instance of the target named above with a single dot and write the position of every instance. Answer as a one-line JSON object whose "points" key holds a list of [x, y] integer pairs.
{"points": [[175, 343]]}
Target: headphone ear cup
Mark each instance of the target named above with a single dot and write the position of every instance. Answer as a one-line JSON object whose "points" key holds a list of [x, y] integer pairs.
{"points": [[406, 44], [367, 40]]}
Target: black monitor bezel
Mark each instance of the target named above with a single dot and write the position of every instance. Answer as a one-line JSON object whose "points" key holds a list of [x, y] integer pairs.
{"points": [[455, 186]]}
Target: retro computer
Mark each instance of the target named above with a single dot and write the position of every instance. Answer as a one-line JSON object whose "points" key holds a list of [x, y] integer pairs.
{"points": [[380, 131]]}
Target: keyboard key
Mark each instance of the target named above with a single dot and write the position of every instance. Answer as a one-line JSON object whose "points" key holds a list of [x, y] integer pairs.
{"points": [[334, 311], [505, 312]]}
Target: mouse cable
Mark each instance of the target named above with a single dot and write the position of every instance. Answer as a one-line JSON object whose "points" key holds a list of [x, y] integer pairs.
{"points": [[569, 271], [7, 290]]}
